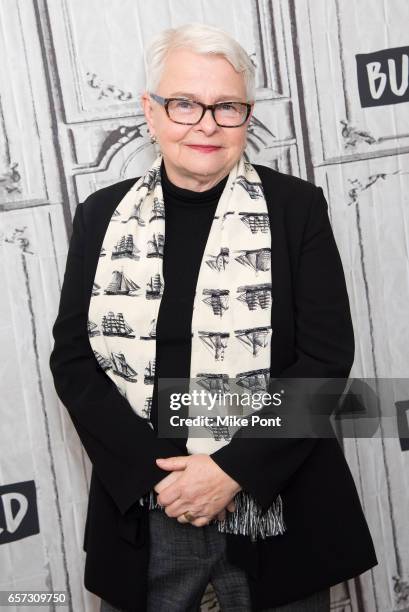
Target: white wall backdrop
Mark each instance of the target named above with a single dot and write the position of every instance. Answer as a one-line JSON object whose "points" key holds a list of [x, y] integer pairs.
{"points": [[71, 72]]}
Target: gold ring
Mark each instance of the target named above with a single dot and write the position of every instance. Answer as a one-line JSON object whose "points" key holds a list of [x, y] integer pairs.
{"points": [[188, 516]]}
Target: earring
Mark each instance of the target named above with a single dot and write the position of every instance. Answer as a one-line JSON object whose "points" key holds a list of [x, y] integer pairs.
{"points": [[153, 139]]}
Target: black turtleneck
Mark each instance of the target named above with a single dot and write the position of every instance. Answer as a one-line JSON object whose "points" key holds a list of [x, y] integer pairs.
{"points": [[188, 217]]}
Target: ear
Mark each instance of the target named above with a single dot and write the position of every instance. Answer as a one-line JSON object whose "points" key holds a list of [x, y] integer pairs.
{"points": [[146, 104]]}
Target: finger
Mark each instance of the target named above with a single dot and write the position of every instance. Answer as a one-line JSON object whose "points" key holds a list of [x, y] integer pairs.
{"points": [[231, 506], [182, 519], [166, 481], [175, 509], [172, 463], [222, 515], [200, 522], [168, 495]]}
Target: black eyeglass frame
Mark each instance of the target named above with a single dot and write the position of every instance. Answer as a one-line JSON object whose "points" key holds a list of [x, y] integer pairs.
{"points": [[165, 103]]}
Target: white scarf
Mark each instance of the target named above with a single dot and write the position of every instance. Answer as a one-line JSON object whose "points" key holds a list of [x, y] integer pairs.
{"points": [[231, 321]]}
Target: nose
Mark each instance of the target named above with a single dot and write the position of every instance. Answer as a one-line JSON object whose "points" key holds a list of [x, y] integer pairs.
{"points": [[207, 123]]}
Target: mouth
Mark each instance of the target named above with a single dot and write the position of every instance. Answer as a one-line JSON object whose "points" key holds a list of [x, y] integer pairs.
{"points": [[205, 148]]}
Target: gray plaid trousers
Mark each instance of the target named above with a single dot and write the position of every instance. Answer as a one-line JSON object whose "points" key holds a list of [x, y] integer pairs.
{"points": [[185, 558]]}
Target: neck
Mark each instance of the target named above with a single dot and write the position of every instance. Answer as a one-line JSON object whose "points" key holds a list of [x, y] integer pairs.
{"points": [[194, 182]]}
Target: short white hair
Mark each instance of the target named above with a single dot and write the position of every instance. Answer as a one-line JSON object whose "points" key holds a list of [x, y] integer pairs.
{"points": [[199, 38]]}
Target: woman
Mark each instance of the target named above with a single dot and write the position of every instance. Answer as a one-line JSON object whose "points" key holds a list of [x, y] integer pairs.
{"points": [[235, 255]]}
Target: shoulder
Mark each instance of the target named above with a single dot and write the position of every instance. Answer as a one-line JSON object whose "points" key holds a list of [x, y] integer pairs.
{"points": [[102, 202], [284, 184], [297, 199]]}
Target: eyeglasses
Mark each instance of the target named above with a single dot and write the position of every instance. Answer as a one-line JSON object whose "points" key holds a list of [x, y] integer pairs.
{"points": [[190, 112]]}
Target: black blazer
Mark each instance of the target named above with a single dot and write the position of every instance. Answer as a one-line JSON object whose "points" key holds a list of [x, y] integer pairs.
{"points": [[327, 539]]}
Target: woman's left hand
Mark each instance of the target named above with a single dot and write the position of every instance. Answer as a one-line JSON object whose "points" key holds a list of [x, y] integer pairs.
{"points": [[202, 488]]}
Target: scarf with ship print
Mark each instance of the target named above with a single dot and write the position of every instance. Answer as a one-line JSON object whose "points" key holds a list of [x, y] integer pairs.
{"points": [[231, 320]]}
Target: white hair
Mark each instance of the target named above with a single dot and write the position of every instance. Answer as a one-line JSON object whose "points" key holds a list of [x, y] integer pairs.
{"points": [[202, 39]]}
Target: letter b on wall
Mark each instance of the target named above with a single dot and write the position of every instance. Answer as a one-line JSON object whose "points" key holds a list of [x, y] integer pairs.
{"points": [[383, 76]]}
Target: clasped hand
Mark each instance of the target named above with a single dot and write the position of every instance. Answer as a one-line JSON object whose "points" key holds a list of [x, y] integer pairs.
{"points": [[198, 485]]}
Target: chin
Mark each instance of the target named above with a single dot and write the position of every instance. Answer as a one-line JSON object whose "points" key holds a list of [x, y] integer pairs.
{"points": [[205, 166]]}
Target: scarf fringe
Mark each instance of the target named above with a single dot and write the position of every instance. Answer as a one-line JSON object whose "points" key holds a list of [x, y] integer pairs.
{"points": [[248, 517]]}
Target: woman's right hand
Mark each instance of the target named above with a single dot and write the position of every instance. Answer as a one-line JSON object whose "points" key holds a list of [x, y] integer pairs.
{"points": [[172, 476]]}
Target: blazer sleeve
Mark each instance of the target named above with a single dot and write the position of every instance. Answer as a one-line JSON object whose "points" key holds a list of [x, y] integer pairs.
{"points": [[325, 347], [120, 444]]}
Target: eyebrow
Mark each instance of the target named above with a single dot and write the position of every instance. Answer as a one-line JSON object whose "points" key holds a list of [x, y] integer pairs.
{"points": [[192, 95]]}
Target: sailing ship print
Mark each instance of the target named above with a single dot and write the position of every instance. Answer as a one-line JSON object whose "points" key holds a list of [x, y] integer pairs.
{"points": [[213, 382], [115, 325], [256, 221], [149, 375], [121, 285], [218, 300], [156, 245], [255, 380], [125, 247], [150, 180], [218, 431], [255, 190], [92, 329], [103, 362], [158, 210], [257, 259], [115, 215], [95, 289], [255, 296], [254, 338], [136, 214], [216, 342], [218, 262], [152, 332], [155, 287], [120, 367], [102, 252], [147, 407]]}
